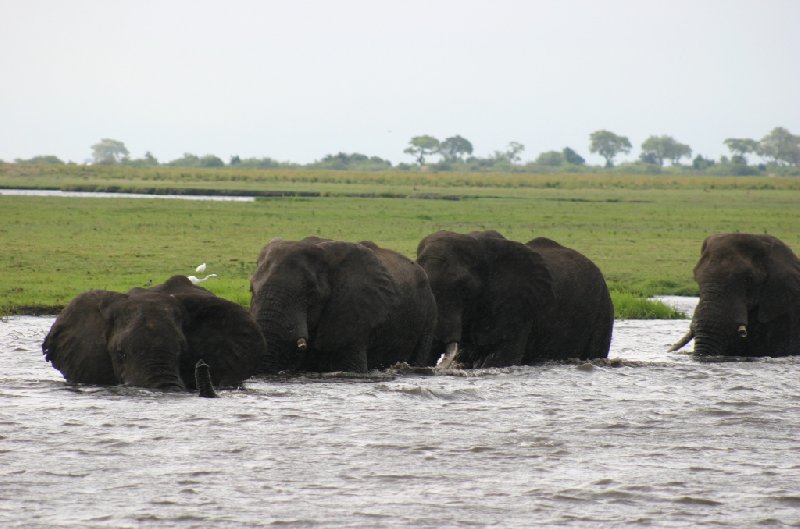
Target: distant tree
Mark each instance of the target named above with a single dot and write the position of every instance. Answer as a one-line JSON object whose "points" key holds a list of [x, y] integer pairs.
{"points": [[572, 157], [187, 160], [514, 152], [455, 148], [661, 148], [551, 158], [41, 159], [608, 145], [701, 163], [780, 146], [209, 160], [235, 160], [422, 146], [148, 160], [190, 160], [261, 163], [109, 151], [650, 158], [740, 148], [511, 156], [344, 161]]}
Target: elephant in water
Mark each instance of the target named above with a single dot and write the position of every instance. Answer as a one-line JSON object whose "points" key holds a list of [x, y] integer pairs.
{"points": [[174, 336], [749, 298], [503, 303], [339, 306]]}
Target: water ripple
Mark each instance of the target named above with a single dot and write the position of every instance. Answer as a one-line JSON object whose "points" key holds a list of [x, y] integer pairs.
{"points": [[644, 438]]}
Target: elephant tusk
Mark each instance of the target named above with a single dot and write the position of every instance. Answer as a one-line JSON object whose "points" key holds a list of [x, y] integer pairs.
{"points": [[302, 344], [449, 356], [742, 331], [683, 341]]}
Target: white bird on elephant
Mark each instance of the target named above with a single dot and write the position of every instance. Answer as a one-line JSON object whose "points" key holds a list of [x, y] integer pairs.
{"points": [[195, 279]]}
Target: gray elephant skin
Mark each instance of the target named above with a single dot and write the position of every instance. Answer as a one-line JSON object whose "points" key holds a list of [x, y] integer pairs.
{"points": [[749, 297], [503, 303], [328, 305], [155, 338]]}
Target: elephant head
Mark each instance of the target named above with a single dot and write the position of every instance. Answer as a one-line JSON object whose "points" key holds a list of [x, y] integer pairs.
{"points": [[487, 292], [318, 301], [749, 297], [155, 338]]}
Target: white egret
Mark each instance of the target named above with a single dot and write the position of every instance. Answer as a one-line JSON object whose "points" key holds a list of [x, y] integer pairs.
{"points": [[200, 269], [196, 280]]}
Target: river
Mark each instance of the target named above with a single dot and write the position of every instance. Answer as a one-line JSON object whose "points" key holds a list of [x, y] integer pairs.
{"points": [[648, 439], [102, 194]]}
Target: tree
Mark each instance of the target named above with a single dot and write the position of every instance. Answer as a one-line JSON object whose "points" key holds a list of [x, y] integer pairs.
{"points": [[514, 150], [41, 159], [109, 151], [422, 146], [551, 158], [740, 148], [660, 148], [344, 161], [781, 146], [455, 148], [191, 160], [608, 145], [701, 163], [572, 157]]}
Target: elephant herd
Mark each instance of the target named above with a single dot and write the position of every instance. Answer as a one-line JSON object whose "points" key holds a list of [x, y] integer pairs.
{"points": [[475, 300]]}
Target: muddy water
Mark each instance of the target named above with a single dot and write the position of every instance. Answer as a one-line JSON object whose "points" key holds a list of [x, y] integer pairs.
{"points": [[650, 439]]}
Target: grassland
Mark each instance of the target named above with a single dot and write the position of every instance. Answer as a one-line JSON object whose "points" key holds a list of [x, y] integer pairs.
{"points": [[644, 232]]}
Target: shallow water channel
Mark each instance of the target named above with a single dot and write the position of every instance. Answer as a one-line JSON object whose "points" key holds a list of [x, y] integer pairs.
{"points": [[650, 439]]}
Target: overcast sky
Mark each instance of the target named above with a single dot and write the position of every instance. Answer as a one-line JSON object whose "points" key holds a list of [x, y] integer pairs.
{"points": [[296, 80]]}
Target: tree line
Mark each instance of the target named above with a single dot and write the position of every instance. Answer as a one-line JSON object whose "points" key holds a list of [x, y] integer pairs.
{"points": [[778, 149]]}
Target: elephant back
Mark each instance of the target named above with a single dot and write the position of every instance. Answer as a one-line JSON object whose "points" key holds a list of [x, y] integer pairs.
{"points": [[217, 331], [408, 330], [579, 322]]}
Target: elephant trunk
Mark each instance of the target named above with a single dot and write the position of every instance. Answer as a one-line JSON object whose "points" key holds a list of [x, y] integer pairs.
{"points": [[720, 325], [202, 376], [282, 319], [157, 371]]}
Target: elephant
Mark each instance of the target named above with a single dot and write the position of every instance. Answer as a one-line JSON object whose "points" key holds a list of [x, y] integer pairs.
{"points": [[164, 337], [503, 303], [327, 305], [749, 298]]}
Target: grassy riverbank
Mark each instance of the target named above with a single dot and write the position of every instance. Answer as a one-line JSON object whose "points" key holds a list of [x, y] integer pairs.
{"points": [[644, 232]]}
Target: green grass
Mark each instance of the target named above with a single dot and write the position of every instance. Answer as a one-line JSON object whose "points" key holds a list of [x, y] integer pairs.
{"points": [[644, 232], [630, 306]]}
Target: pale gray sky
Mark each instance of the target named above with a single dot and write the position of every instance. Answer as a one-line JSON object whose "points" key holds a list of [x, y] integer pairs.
{"points": [[296, 80]]}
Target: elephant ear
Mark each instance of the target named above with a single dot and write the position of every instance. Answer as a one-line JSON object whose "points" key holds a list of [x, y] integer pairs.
{"points": [[217, 331], [77, 344], [781, 291], [362, 293], [520, 282]]}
